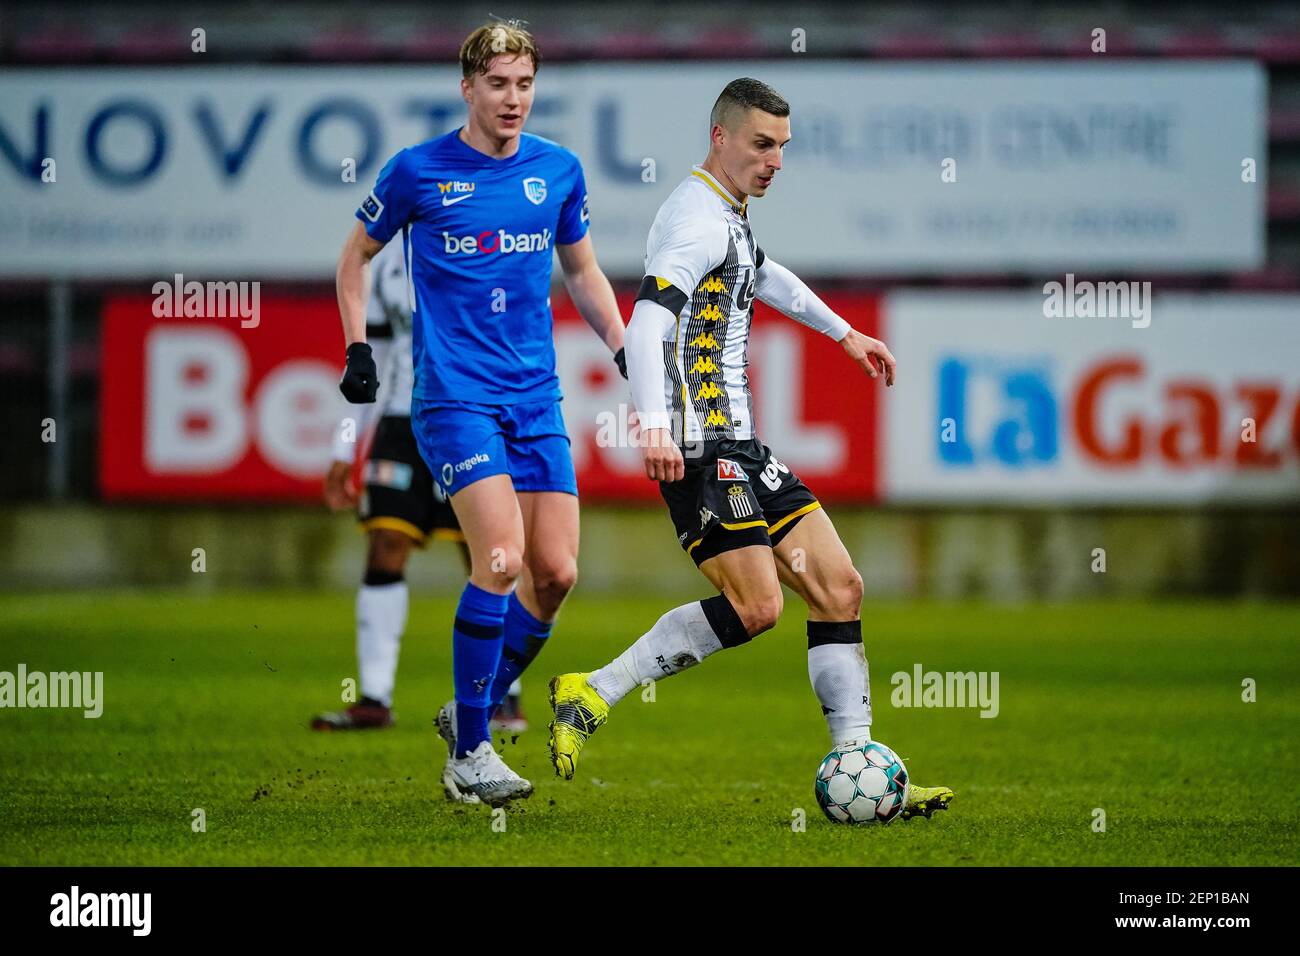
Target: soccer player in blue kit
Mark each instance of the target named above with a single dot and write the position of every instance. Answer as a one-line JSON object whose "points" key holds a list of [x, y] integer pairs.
{"points": [[482, 211]]}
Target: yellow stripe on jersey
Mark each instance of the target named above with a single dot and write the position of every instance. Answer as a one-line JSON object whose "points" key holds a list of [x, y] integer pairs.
{"points": [[708, 181]]}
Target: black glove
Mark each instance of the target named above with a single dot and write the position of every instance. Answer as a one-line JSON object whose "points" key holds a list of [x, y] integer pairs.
{"points": [[360, 381], [621, 361]]}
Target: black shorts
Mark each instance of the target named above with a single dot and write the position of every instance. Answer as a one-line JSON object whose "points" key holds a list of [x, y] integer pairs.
{"points": [[734, 495], [400, 494]]}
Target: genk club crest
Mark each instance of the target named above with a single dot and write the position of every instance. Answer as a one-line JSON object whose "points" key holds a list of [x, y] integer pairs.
{"points": [[535, 190]]}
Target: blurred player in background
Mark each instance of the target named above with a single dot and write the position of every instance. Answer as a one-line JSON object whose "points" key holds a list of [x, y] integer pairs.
{"points": [[746, 520], [401, 506], [482, 211]]}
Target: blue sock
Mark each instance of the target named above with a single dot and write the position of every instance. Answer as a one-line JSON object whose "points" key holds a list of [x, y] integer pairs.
{"points": [[475, 651], [524, 638]]}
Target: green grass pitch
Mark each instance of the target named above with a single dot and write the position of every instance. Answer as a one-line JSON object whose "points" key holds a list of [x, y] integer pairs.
{"points": [[1134, 709]]}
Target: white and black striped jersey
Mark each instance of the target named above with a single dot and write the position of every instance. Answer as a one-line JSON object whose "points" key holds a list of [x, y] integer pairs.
{"points": [[388, 328], [701, 262]]}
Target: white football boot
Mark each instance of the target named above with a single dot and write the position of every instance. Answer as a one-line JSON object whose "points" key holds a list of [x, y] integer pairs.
{"points": [[485, 775], [446, 724]]}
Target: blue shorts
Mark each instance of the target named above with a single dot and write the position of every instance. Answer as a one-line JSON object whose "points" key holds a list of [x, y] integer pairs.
{"points": [[463, 442]]}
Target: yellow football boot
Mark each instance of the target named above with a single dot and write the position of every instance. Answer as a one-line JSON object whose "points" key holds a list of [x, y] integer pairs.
{"points": [[579, 710], [924, 801]]}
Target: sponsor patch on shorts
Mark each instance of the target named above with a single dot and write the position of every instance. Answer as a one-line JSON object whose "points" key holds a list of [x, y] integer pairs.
{"points": [[729, 470], [389, 474]]}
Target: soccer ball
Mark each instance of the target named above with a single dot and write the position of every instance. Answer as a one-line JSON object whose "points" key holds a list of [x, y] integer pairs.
{"points": [[867, 784]]}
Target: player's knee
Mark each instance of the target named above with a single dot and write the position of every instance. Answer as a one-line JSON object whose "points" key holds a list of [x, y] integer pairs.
{"points": [[838, 597], [760, 613], [388, 551], [501, 566], [553, 581], [847, 595]]}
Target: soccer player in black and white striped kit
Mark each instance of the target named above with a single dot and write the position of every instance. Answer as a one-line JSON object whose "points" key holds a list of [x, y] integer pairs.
{"points": [[739, 512]]}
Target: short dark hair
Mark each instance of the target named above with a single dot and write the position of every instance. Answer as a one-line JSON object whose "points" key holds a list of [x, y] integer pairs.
{"points": [[740, 96]]}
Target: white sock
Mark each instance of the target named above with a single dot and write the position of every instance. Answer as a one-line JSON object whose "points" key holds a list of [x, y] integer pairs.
{"points": [[381, 619], [680, 639], [840, 681]]}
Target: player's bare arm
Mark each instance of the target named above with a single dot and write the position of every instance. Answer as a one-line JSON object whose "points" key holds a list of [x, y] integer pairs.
{"points": [[360, 381], [339, 493], [591, 292], [352, 281]]}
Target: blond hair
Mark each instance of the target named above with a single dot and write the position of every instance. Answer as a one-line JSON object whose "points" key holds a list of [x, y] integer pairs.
{"points": [[492, 40]]}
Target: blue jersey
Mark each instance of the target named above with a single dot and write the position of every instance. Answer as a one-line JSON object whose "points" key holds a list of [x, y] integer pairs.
{"points": [[481, 233]]}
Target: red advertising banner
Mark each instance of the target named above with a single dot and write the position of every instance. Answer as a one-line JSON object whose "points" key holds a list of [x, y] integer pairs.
{"points": [[197, 408], [206, 408]]}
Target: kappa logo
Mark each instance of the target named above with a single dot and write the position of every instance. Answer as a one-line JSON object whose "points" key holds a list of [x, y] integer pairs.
{"points": [[738, 497], [705, 517], [372, 208], [729, 470], [535, 190]]}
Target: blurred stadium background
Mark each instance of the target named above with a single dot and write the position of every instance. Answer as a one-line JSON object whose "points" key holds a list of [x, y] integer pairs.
{"points": [[1067, 435]]}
